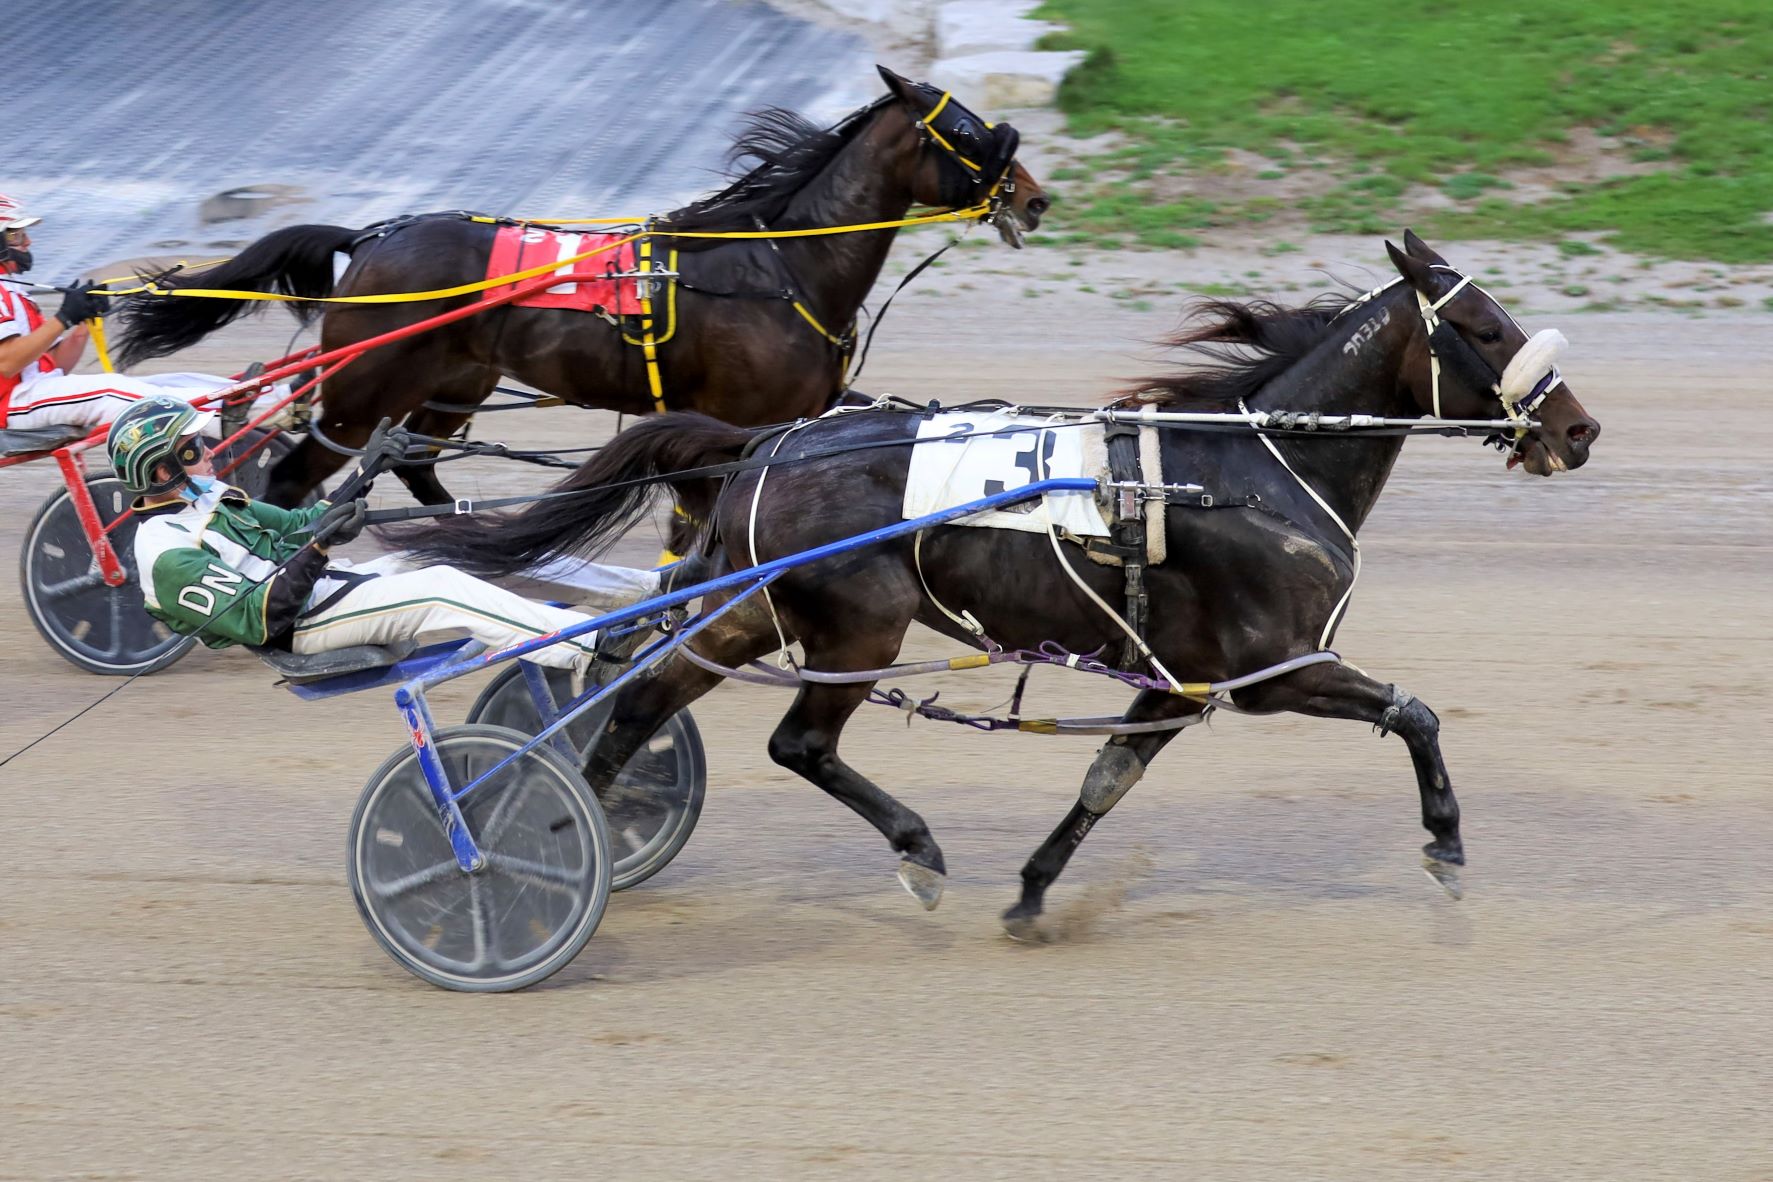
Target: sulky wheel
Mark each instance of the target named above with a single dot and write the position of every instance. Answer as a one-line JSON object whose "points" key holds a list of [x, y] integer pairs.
{"points": [[102, 629], [533, 905], [653, 806], [105, 629]]}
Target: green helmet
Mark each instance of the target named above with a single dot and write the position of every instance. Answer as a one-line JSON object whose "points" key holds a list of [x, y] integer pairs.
{"points": [[146, 436]]}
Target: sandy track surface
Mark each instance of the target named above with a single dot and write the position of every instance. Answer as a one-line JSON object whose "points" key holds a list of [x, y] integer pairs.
{"points": [[1254, 980]]}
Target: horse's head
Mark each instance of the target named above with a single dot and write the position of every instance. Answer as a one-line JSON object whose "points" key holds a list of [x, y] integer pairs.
{"points": [[964, 161], [1476, 359]]}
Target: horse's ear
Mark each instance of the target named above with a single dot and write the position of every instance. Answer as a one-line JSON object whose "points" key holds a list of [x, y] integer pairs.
{"points": [[1415, 271], [1421, 250], [903, 88]]}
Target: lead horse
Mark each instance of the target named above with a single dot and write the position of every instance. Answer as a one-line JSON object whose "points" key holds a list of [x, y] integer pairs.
{"points": [[743, 350], [1248, 585]]}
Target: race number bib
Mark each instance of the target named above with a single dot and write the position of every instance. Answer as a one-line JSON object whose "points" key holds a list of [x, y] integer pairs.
{"points": [[975, 455]]}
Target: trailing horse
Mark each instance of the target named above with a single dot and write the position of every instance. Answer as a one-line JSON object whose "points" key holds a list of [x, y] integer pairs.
{"points": [[763, 328], [1261, 577]]}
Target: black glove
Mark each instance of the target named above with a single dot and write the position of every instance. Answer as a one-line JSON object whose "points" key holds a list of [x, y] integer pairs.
{"points": [[341, 523], [78, 304], [387, 445]]}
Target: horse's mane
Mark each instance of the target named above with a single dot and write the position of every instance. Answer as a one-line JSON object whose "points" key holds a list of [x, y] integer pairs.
{"points": [[1245, 346], [790, 150]]}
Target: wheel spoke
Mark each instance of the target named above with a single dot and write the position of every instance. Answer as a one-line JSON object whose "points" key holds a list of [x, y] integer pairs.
{"points": [[539, 874], [406, 884], [118, 643], [483, 932], [73, 586], [504, 810]]}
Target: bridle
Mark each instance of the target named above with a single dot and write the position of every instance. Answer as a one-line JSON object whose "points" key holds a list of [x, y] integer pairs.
{"points": [[1524, 383], [949, 125], [982, 160]]}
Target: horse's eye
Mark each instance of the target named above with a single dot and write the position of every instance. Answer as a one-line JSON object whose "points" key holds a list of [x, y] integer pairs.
{"points": [[1490, 336]]}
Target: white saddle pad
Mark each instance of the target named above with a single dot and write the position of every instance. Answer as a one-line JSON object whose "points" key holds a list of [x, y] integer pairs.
{"points": [[943, 475]]}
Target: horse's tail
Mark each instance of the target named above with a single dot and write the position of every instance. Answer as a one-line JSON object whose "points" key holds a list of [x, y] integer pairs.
{"points": [[296, 260], [606, 504]]}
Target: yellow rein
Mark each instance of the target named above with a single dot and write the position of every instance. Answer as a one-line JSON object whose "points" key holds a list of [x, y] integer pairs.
{"points": [[971, 213]]}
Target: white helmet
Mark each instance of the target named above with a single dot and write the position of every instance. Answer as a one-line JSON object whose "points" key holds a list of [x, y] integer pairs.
{"points": [[12, 215]]}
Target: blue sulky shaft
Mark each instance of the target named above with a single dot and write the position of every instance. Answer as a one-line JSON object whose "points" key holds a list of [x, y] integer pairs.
{"points": [[774, 566], [651, 656], [410, 697]]}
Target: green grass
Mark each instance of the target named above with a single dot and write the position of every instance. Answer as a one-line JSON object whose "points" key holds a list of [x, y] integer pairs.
{"points": [[1375, 96]]}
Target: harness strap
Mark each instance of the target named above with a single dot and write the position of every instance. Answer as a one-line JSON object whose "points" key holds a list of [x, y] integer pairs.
{"points": [[1323, 640], [649, 345], [1430, 322], [1128, 532], [350, 580], [783, 657], [846, 343]]}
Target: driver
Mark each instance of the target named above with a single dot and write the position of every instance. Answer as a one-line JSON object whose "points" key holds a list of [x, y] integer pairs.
{"points": [[234, 570], [37, 351]]}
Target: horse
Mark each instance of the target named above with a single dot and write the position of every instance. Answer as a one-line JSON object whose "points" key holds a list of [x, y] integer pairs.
{"points": [[1249, 583], [764, 327]]}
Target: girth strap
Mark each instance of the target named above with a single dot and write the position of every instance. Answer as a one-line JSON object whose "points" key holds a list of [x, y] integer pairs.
{"points": [[1127, 534]]}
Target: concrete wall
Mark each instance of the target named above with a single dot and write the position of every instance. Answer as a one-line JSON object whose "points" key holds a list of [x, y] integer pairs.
{"points": [[983, 49]]}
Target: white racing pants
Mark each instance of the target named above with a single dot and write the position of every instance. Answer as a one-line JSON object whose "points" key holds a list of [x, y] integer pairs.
{"points": [[401, 604], [92, 399]]}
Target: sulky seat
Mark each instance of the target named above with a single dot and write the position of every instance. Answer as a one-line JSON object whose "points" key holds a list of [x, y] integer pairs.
{"points": [[300, 668]]}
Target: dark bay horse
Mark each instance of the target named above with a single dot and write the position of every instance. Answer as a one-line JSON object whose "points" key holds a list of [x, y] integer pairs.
{"points": [[740, 353], [1245, 587]]}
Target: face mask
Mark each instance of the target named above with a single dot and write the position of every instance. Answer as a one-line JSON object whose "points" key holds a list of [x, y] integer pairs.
{"points": [[197, 487]]}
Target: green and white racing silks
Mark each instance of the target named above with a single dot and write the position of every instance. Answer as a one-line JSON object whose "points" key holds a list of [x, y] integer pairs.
{"points": [[210, 565]]}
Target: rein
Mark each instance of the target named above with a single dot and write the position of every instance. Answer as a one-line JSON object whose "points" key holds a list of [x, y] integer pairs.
{"points": [[1262, 423], [151, 287]]}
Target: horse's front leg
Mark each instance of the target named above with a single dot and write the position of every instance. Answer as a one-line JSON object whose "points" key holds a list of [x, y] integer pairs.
{"points": [[1118, 766], [1342, 691], [806, 743]]}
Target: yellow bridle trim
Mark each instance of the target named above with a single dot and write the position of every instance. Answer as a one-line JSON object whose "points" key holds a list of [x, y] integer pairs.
{"points": [[930, 127]]}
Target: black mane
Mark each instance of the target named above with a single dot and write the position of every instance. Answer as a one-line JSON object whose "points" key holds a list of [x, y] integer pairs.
{"points": [[1246, 346], [790, 150]]}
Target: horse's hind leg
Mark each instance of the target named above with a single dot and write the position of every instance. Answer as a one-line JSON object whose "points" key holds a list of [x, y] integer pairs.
{"points": [[1118, 766], [1342, 691], [805, 742], [641, 707]]}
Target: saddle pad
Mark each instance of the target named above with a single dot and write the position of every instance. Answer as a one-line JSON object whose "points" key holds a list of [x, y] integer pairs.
{"points": [[521, 248], [943, 475]]}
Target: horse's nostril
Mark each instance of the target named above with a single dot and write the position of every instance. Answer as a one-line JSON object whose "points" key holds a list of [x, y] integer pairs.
{"points": [[1582, 434], [1038, 206]]}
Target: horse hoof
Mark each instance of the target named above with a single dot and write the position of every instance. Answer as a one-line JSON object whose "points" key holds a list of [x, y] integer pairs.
{"points": [[1444, 875], [1025, 928], [924, 884]]}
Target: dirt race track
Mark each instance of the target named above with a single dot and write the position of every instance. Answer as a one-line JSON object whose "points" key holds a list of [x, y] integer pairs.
{"points": [[1252, 978]]}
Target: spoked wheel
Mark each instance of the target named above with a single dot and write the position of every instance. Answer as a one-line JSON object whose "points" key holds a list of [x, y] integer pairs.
{"points": [[105, 629], [653, 806], [102, 629], [534, 904]]}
